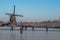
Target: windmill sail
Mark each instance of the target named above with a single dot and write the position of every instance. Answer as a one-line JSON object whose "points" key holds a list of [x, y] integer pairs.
{"points": [[14, 10]]}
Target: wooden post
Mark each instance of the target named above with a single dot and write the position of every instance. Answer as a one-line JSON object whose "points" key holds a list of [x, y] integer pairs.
{"points": [[21, 30], [46, 28], [32, 28], [12, 28], [25, 28]]}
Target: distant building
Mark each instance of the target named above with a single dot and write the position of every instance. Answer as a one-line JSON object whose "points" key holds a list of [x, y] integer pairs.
{"points": [[43, 24]]}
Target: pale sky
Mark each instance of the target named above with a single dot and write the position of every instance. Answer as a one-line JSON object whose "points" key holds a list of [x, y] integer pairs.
{"points": [[32, 10]]}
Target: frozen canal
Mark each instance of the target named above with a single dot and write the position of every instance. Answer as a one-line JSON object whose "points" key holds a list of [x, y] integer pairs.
{"points": [[38, 34]]}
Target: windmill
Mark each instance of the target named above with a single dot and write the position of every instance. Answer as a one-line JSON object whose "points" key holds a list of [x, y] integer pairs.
{"points": [[13, 21]]}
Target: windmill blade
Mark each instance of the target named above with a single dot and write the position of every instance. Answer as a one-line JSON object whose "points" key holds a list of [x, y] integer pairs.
{"points": [[8, 14], [19, 15], [14, 10]]}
